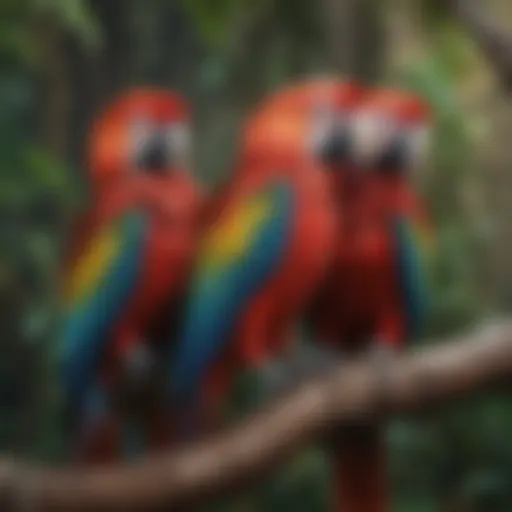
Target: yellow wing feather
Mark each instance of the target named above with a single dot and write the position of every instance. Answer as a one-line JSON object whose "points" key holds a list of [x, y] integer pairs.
{"points": [[425, 240], [91, 266], [232, 235]]}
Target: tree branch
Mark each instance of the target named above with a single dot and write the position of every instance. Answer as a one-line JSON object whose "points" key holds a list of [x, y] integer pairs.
{"points": [[415, 382], [494, 42]]}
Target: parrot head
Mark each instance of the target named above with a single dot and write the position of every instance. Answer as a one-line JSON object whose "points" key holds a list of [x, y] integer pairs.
{"points": [[145, 131], [332, 140], [307, 120], [331, 108], [392, 133]]}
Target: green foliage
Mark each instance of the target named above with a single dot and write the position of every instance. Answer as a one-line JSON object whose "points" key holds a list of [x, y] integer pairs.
{"points": [[75, 15], [456, 299], [49, 175], [452, 46], [461, 455], [18, 43], [213, 18], [36, 194], [15, 43]]}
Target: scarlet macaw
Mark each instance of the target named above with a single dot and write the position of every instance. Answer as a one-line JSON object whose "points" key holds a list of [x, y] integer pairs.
{"points": [[132, 263], [267, 247], [376, 292], [113, 149]]}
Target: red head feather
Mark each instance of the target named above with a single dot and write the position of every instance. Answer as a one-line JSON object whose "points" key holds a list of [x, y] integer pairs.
{"points": [[283, 125], [110, 145], [392, 131], [405, 106]]}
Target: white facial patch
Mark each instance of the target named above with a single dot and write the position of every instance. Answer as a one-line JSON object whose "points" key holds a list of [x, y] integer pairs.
{"points": [[322, 125], [179, 142], [141, 132], [327, 122], [372, 134]]}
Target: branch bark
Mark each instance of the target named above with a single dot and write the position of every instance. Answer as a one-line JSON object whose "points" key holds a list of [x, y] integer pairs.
{"points": [[492, 39], [415, 382]]}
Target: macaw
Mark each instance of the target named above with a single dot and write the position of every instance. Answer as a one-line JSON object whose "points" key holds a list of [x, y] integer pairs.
{"points": [[266, 249], [129, 274], [113, 146], [376, 291]]}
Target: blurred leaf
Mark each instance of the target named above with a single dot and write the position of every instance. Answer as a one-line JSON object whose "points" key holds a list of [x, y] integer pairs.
{"points": [[212, 74], [428, 78], [213, 18], [50, 174], [455, 52], [433, 13], [16, 43], [76, 16], [486, 489]]}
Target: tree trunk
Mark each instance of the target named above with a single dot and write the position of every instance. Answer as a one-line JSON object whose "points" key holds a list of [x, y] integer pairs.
{"points": [[355, 37], [50, 39]]}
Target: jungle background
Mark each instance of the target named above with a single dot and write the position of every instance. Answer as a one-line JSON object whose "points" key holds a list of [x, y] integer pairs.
{"points": [[61, 60]]}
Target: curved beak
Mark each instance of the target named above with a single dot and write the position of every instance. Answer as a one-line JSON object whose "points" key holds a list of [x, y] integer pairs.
{"points": [[334, 149], [394, 158], [154, 157]]}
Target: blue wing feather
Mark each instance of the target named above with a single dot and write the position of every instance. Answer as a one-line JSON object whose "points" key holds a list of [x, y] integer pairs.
{"points": [[87, 323], [218, 299], [412, 272]]}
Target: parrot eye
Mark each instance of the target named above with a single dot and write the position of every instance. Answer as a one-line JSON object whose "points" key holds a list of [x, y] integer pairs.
{"points": [[331, 136], [148, 147], [156, 148], [406, 151], [178, 142]]}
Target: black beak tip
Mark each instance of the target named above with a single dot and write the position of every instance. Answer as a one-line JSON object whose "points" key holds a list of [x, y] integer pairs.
{"points": [[335, 149], [154, 160], [393, 160]]}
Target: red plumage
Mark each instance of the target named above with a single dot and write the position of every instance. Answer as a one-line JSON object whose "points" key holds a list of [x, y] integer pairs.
{"points": [[172, 206], [125, 177], [172, 203], [278, 144], [361, 299], [361, 302], [264, 330]]}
